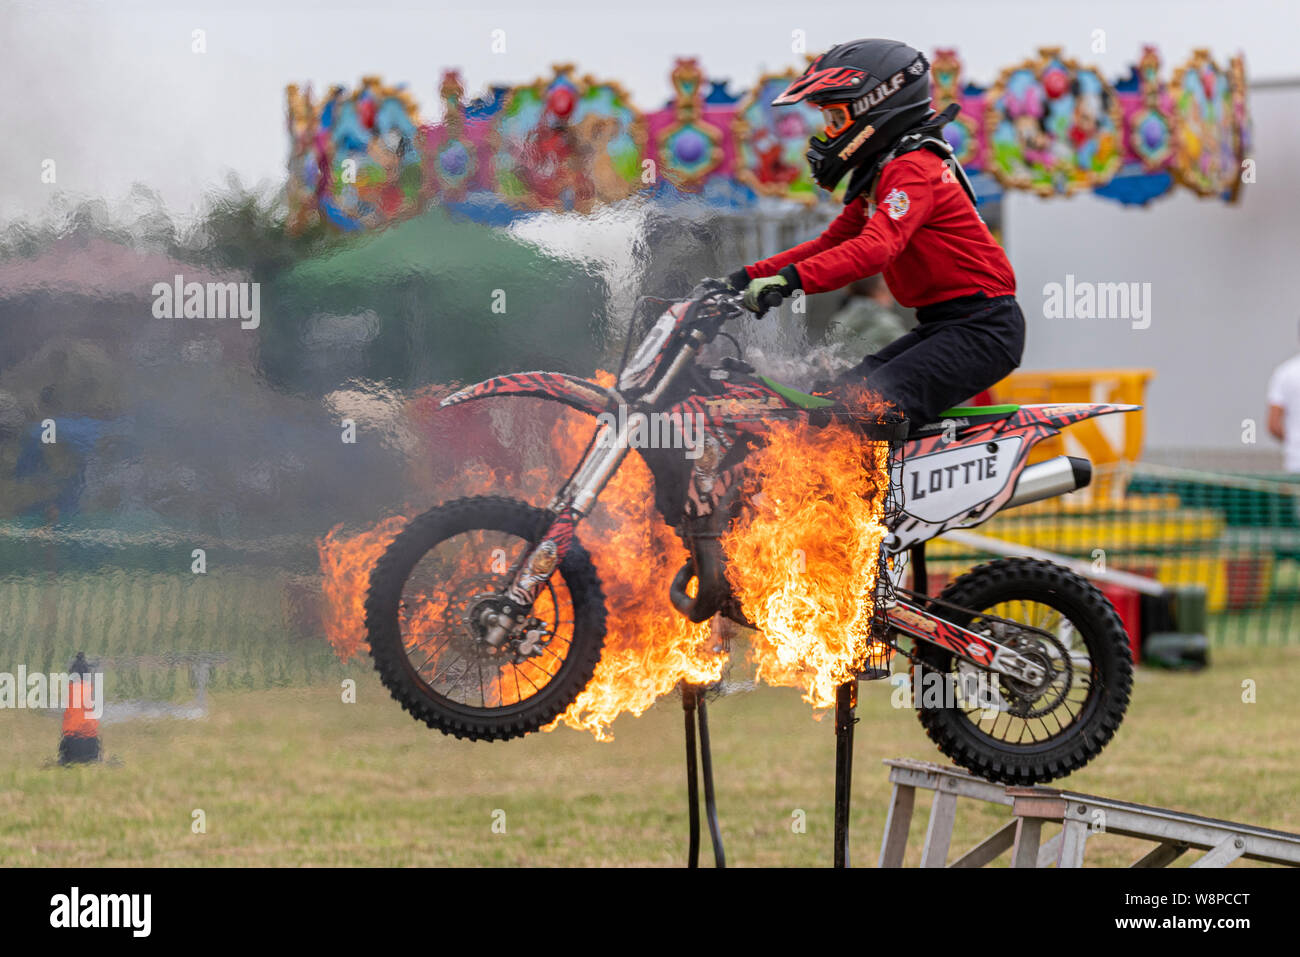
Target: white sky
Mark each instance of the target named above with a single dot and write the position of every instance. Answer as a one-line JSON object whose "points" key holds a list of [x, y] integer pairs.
{"points": [[111, 91]]}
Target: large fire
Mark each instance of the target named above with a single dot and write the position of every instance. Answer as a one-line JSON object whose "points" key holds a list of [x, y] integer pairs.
{"points": [[802, 560]]}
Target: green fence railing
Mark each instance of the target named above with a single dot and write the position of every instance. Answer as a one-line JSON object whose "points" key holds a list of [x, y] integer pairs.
{"points": [[133, 599], [1235, 538]]}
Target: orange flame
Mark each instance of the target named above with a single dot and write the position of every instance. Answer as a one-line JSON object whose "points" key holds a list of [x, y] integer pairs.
{"points": [[649, 648], [803, 558], [345, 562], [802, 561]]}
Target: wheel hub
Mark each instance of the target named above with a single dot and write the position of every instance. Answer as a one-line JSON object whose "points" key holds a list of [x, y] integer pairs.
{"points": [[1033, 700], [493, 624]]}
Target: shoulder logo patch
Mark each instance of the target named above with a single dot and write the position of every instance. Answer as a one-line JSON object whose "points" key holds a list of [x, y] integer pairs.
{"points": [[897, 204]]}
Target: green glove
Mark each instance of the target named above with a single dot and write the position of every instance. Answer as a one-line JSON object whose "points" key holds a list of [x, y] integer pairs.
{"points": [[762, 294]]}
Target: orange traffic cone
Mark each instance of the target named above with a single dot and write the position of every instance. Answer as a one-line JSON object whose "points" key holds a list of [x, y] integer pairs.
{"points": [[80, 741]]}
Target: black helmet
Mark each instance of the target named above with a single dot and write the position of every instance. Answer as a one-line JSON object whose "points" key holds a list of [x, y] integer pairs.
{"points": [[870, 92]]}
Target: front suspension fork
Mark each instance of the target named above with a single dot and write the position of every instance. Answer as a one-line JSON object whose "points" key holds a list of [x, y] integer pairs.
{"points": [[574, 502]]}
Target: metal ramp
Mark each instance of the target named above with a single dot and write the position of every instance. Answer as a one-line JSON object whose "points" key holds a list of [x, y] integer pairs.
{"points": [[1080, 815]]}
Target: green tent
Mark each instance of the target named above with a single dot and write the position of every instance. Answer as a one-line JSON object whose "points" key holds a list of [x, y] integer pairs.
{"points": [[433, 299]]}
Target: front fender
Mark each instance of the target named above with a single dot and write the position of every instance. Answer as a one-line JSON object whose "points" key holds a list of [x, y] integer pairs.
{"points": [[581, 394]]}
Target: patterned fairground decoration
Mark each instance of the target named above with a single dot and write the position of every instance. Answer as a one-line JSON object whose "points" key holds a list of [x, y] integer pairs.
{"points": [[963, 133], [362, 158], [1209, 137], [355, 155], [688, 148], [567, 143], [1053, 126], [1240, 122], [1150, 124], [458, 151], [771, 141]]}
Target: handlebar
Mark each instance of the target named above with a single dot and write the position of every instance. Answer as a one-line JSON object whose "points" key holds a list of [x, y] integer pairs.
{"points": [[712, 303], [769, 299]]}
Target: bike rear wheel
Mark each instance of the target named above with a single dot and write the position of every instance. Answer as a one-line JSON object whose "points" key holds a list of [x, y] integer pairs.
{"points": [[1010, 732]]}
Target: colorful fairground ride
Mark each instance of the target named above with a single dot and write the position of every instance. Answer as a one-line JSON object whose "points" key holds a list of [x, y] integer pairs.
{"points": [[363, 158]]}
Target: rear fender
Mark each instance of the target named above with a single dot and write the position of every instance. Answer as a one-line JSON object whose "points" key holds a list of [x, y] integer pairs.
{"points": [[946, 486], [1050, 419]]}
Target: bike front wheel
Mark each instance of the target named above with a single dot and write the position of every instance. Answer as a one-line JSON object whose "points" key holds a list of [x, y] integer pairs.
{"points": [[430, 594]]}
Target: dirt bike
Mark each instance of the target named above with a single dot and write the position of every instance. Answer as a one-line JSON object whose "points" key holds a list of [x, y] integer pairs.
{"points": [[494, 650]]}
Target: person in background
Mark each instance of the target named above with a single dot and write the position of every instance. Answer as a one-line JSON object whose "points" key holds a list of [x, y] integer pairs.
{"points": [[868, 320], [1284, 411]]}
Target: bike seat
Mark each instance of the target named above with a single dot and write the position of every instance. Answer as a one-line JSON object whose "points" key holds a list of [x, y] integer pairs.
{"points": [[965, 417]]}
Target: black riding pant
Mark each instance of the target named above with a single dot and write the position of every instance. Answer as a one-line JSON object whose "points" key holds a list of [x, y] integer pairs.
{"points": [[960, 348]]}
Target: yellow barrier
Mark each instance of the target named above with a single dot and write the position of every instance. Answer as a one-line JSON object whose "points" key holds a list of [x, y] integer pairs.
{"points": [[1144, 534], [1084, 385]]}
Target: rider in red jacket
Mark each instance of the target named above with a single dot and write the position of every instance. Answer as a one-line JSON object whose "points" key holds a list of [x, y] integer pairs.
{"points": [[910, 214]]}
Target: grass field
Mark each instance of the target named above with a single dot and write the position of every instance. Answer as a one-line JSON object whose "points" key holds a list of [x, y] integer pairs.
{"points": [[296, 777]]}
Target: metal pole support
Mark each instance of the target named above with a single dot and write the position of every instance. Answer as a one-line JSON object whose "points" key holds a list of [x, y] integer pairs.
{"points": [[706, 765], [846, 702], [692, 777], [696, 711]]}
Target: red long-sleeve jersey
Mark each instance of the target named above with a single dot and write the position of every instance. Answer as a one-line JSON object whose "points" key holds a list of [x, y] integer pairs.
{"points": [[924, 236]]}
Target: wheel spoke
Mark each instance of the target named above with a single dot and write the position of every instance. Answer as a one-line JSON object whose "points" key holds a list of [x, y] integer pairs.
{"points": [[432, 655], [518, 672], [519, 695], [445, 594], [446, 668], [1067, 657]]}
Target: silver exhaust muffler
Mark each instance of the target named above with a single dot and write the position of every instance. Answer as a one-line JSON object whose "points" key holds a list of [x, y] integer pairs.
{"points": [[1065, 473]]}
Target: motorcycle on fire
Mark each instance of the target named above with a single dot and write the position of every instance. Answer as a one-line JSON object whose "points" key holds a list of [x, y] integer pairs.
{"points": [[499, 646]]}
